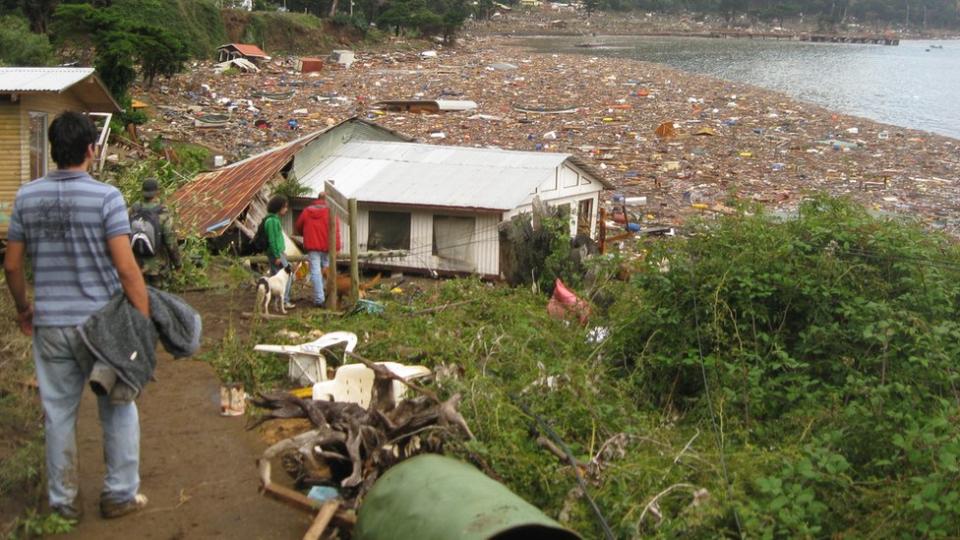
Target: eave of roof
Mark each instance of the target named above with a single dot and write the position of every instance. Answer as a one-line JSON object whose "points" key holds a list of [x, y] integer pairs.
{"points": [[31, 80]]}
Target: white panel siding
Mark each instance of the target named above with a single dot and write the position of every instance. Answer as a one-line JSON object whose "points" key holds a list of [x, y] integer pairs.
{"points": [[488, 245], [484, 243], [568, 177]]}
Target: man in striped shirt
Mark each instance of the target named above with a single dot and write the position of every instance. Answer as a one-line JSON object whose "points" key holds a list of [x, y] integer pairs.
{"points": [[76, 233]]}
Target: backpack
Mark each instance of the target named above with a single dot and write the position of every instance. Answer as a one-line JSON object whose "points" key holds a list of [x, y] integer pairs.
{"points": [[259, 242], [146, 232]]}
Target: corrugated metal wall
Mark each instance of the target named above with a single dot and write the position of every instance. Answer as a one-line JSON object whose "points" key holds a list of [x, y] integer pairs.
{"points": [[320, 149], [571, 185], [15, 141], [10, 158], [484, 242]]}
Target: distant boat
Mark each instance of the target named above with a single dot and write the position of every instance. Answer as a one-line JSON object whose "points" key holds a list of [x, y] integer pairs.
{"points": [[211, 121], [936, 46], [276, 96], [540, 109]]}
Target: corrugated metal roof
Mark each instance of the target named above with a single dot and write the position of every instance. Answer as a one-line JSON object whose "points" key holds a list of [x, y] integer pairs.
{"points": [[210, 202], [429, 175], [91, 93], [439, 104], [247, 49], [220, 196], [37, 79], [456, 104]]}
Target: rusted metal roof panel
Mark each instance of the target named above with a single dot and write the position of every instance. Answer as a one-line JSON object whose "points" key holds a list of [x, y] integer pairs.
{"points": [[209, 203], [247, 49]]}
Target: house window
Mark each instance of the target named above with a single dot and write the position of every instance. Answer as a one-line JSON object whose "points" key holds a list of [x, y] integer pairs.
{"points": [[453, 237], [389, 230], [584, 216], [38, 144]]}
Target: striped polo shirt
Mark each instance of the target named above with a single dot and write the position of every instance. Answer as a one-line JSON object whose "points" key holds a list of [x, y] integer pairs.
{"points": [[65, 220]]}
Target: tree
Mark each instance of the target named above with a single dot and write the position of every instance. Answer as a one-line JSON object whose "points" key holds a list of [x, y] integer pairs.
{"points": [[20, 47], [121, 44], [39, 12]]}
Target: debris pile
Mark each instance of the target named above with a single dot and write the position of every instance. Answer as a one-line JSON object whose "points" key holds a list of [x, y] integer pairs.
{"points": [[350, 446], [686, 142]]}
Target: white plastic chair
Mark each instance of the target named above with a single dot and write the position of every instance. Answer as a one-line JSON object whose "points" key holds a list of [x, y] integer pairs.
{"points": [[353, 383], [308, 365]]}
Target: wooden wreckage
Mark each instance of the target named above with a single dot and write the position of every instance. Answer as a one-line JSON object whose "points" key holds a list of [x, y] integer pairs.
{"points": [[353, 446]]}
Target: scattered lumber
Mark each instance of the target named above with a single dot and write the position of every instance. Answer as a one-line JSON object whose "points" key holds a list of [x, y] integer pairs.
{"points": [[351, 447]]}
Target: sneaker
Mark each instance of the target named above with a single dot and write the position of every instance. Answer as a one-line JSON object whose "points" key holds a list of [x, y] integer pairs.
{"points": [[112, 509], [289, 306], [71, 511]]}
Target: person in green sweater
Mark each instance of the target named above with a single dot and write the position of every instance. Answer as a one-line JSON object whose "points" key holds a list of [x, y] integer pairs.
{"points": [[277, 207]]}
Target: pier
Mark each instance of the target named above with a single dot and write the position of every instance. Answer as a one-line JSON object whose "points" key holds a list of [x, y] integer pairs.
{"points": [[870, 39]]}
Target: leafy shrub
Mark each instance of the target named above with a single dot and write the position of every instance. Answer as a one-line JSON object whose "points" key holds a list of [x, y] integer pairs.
{"points": [[356, 22], [542, 254], [835, 327]]}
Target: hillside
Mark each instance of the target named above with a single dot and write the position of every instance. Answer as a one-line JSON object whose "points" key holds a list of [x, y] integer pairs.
{"points": [[198, 22], [274, 32]]}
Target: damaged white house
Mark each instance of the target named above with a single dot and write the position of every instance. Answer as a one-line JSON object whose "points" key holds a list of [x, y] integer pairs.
{"points": [[433, 208], [443, 206]]}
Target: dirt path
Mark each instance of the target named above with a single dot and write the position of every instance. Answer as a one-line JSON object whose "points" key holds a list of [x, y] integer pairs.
{"points": [[197, 468]]}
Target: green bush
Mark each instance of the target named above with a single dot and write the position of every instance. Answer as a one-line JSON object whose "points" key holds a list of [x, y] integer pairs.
{"points": [[356, 22], [829, 351], [835, 330]]}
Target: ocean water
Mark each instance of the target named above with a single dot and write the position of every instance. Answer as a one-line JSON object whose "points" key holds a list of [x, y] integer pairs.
{"points": [[912, 85]]}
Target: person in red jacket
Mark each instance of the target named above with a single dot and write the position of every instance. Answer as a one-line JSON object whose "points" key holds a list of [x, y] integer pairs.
{"points": [[312, 224]]}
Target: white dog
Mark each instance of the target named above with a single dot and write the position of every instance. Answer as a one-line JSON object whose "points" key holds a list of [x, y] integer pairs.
{"points": [[274, 287]]}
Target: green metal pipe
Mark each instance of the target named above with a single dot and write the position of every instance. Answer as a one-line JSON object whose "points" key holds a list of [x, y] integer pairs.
{"points": [[432, 497]]}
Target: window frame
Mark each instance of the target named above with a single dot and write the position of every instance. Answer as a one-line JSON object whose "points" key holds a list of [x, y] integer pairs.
{"points": [[43, 161], [382, 246]]}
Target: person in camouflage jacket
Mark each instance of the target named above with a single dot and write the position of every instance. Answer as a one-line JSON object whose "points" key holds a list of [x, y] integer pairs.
{"points": [[155, 269]]}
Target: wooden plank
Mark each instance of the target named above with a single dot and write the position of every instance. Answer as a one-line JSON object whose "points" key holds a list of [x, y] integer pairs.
{"points": [[354, 251], [323, 518], [335, 199], [332, 251]]}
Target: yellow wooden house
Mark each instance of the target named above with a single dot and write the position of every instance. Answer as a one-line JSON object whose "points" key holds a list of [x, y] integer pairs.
{"points": [[30, 98]]}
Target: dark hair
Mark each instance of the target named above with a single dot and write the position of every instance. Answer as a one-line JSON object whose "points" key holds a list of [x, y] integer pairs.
{"points": [[277, 202], [70, 134]]}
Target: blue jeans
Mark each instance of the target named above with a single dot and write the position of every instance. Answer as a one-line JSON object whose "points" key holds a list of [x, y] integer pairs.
{"points": [[275, 268], [63, 365], [318, 261]]}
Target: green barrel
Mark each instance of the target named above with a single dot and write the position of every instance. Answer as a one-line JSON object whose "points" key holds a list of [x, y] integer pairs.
{"points": [[432, 497]]}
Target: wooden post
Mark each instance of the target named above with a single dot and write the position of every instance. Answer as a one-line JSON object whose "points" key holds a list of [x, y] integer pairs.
{"points": [[602, 234], [332, 254], [354, 251]]}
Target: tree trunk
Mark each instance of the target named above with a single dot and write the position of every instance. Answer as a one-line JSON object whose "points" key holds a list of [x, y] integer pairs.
{"points": [[333, 8]]}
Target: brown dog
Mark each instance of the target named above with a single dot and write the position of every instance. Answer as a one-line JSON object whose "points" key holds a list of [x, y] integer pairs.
{"points": [[344, 282]]}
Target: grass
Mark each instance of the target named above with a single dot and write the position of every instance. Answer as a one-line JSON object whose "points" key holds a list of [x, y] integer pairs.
{"points": [[21, 420], [508, 347], [828, 345]]}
